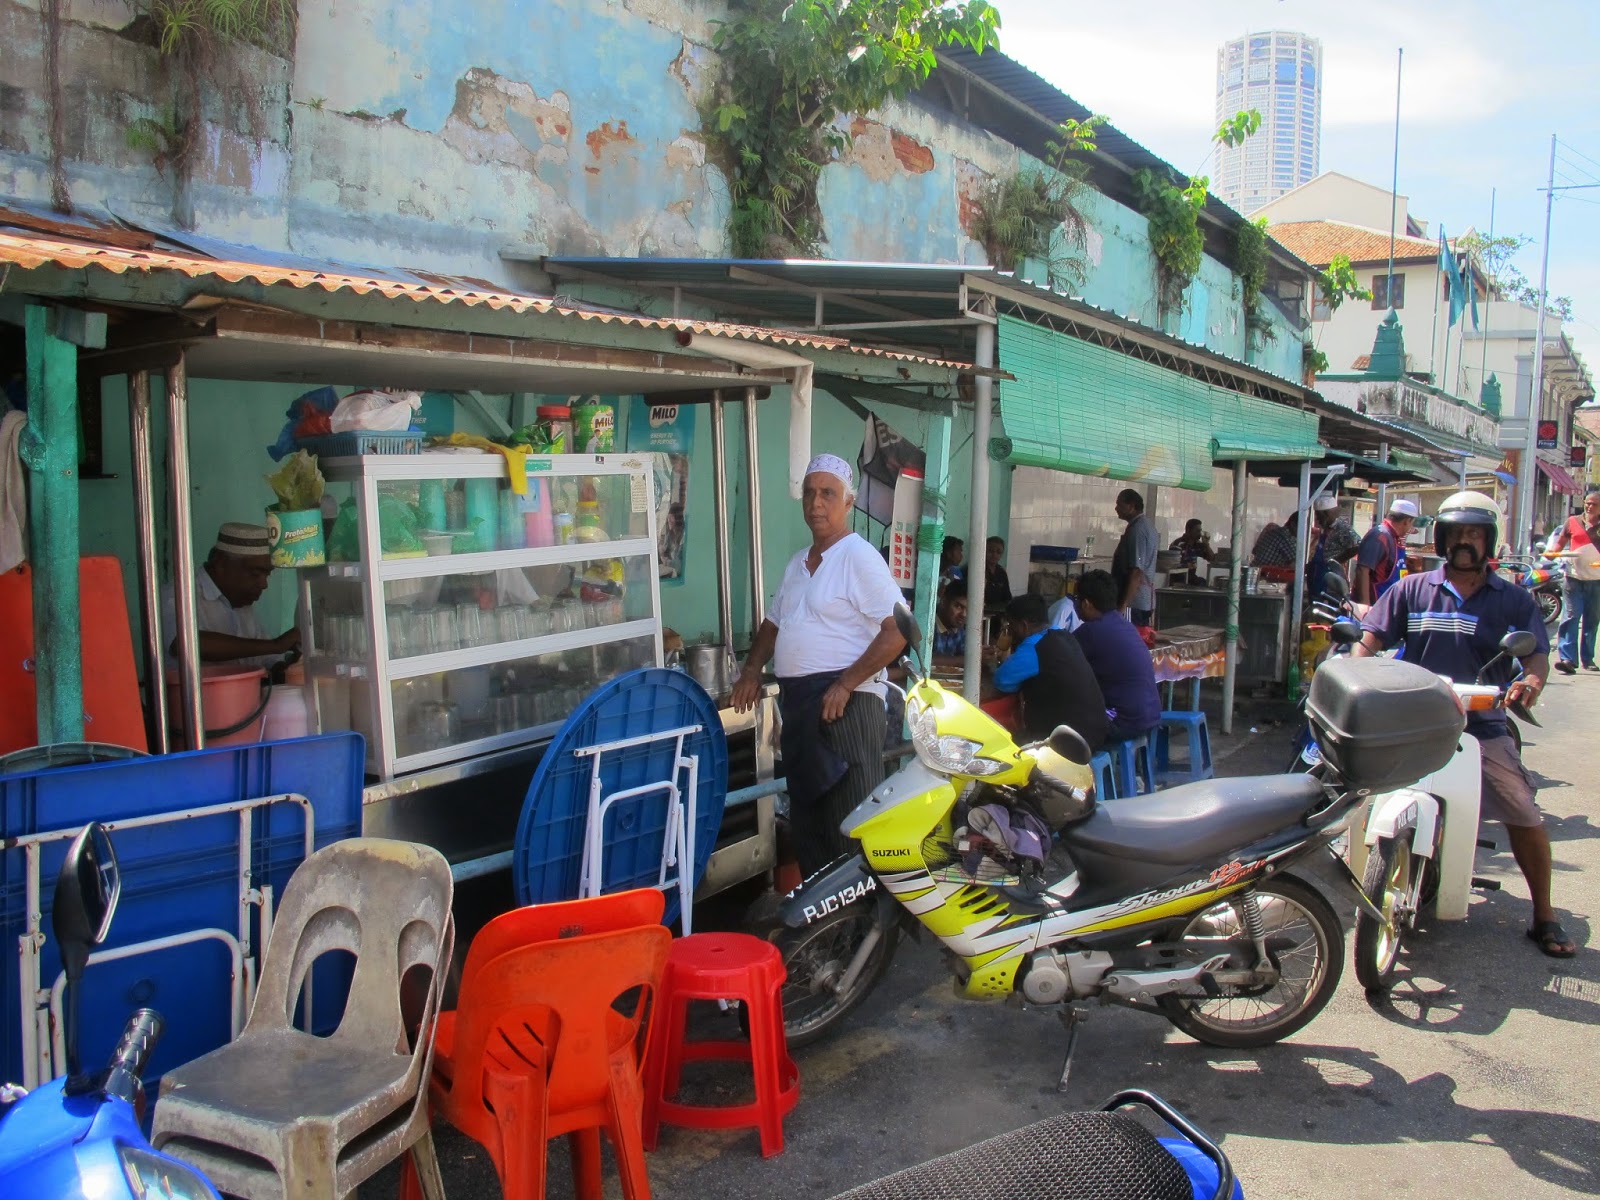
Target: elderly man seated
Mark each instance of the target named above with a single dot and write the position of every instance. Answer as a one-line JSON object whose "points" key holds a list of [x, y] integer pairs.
{"points": [[1119, 658], [1049, 670]]}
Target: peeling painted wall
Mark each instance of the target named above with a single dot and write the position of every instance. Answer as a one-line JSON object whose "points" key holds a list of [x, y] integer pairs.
{"points": [[432, 134]]}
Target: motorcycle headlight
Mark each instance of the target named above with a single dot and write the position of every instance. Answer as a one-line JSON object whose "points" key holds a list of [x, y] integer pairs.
{"points": [[949, 755], [153, 1176]]}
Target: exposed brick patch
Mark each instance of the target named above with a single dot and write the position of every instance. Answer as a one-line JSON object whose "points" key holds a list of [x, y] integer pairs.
{"points": [[607, 135], [912, 154]]}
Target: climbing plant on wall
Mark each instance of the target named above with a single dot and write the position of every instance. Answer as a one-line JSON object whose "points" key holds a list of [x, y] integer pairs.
{"points": [[791, 70], [1175, 237], [194, 40], [1250, 266], [1034, 213]]}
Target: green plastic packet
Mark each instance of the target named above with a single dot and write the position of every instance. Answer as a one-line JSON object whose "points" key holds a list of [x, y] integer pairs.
{"points": [[298, 483]]}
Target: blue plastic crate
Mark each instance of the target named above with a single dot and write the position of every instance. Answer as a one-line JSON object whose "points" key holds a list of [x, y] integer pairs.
{"points": [[363, 441], [176, 877], [1059, 554]]}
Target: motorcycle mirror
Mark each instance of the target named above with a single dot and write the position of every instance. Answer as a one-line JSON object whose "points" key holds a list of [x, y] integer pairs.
{"points": [[85, 900], [1335, 584], [906, 622], [1519, 643], [1069, 744], [1345, 632]]}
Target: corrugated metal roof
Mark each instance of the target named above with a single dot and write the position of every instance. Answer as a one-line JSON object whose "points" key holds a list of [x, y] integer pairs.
{"points": [[78, 246], [916, 291]]}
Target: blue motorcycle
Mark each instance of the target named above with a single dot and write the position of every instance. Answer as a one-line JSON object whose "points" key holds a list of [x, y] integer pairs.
{"points": [[78, 1137]]}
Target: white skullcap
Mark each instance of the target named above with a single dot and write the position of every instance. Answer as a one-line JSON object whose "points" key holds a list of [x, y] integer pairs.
{"points": [[832, 464], [1403, 508], [1325, 504], [245, 541]]}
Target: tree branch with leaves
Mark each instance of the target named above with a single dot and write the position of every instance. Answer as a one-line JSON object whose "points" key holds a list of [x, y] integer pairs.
{"points": [[791, 70]]}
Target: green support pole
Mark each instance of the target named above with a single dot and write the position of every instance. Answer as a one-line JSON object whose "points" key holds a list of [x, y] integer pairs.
{"points": [[50, 452], [930, 540]]}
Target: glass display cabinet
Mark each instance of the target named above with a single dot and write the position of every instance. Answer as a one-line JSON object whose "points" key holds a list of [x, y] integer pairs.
{"points": [[457, 615]]}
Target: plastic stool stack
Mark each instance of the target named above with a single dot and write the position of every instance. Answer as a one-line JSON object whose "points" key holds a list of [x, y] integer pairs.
{"points": [[1133, 765], [721, 966], [1199, 765]]}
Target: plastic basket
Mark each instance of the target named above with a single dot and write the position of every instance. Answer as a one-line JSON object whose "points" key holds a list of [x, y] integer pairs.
{"points": [[1059, 554], [363, 441]]}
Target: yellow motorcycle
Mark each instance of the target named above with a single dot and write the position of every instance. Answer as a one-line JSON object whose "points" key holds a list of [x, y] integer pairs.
{"points": [[1178, 903]]}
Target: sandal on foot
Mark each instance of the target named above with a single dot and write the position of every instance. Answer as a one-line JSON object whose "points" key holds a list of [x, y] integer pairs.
{"points": [[1552, 939], [1566, 668]]}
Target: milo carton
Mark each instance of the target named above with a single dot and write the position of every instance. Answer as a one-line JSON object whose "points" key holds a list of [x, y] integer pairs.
{"points": [[594, 426]]}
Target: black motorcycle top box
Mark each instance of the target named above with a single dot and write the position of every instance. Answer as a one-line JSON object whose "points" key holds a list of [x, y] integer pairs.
{"points": [[1382, 723]]}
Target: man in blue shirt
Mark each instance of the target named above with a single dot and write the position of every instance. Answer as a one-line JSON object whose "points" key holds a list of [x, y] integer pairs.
{"points": [[1119, 658], [1049, 669], [1452, 621]]}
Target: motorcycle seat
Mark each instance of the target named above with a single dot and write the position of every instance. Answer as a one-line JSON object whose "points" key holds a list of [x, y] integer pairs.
{"points": [[1182, 825]]}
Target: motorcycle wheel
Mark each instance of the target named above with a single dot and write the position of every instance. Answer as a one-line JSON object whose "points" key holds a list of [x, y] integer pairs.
{"points": [[817, 956], [1386, 884], [1244, 1018], [1550, 607]]}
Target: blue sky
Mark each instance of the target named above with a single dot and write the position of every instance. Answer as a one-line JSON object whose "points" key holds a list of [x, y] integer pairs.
{"points": [[1485, 85]]}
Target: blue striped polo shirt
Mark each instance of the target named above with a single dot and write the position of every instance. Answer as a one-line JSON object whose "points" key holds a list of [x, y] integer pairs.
{"points": [[1456, 637]]}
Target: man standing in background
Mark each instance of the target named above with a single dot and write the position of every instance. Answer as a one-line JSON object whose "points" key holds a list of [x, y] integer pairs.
{"points": [[1133, 566], [1382, 555], [1580, 536]]}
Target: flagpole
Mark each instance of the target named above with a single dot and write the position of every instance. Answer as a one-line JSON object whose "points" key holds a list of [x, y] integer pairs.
{"points": [[1523, 538], [1394, 189], [1432, 341], [1483, 362]]}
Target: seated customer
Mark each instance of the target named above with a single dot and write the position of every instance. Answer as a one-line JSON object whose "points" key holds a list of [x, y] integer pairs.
{"points": [[1049, 669], [950, 623], [1119, 658]]}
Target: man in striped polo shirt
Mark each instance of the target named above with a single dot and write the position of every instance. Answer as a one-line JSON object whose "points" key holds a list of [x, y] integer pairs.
{"points": [[1452, 621]]}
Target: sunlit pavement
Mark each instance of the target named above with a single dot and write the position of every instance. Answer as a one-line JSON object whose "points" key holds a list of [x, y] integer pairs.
{"points": [[1477, 1079]]}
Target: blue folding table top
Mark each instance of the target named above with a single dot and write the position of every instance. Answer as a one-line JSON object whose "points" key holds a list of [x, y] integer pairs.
{"points": [[547, 857]]}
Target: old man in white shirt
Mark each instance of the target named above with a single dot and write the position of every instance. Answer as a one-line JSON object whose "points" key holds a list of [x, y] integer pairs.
{"points": [[830, 631]]}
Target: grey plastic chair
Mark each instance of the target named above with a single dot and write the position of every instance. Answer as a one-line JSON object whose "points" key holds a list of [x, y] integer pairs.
{"points": [[283, 1113]]}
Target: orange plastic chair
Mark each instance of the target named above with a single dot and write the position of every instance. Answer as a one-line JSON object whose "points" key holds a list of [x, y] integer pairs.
{"points": [[494, 1055]]}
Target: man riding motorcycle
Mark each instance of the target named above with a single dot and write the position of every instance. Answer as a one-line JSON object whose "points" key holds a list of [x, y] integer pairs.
{"points": [[1452, 620]]}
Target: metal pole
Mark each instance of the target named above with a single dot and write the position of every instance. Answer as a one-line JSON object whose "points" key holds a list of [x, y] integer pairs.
{"points": [[1383, 488], [1299, 603], [188, 631], [978, 525], [1394, 190], [752, 452], [144, 527], [1230, 636], [719, 492], [1523, 535]]}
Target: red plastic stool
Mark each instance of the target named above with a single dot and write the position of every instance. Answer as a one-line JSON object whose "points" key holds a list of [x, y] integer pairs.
{"points": [[721, 966]]}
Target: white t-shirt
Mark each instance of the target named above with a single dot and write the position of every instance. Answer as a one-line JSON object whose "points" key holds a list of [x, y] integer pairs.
{"points": [[826, 621], [213, 614]]}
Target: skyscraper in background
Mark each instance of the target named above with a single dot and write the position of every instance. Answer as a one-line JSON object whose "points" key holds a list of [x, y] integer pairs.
{"points": [[1280, 75]]}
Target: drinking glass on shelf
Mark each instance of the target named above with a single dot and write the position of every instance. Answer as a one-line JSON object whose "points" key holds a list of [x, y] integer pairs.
{"points": [[402, 639], [470, 625]]}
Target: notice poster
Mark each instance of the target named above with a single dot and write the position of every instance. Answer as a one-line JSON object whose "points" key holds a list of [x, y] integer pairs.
{"points": [[667, 432], [903, 528]]}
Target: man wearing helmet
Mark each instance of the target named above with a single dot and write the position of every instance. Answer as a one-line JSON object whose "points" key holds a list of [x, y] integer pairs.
{"points": [[1452, 621]]}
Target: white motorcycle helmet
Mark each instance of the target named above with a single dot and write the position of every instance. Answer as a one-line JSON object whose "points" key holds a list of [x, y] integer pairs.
{"points": [[1468, 508]]}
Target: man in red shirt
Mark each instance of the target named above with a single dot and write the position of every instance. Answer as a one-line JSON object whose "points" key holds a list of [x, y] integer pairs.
{"points": [[1580, 536], [1383, 553]]}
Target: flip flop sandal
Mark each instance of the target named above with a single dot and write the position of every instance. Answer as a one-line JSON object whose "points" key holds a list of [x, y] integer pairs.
{"points": [[1550, 938]]}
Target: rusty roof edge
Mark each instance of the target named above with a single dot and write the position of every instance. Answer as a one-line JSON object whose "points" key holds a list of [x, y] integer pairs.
{"points": [[33, 252]]}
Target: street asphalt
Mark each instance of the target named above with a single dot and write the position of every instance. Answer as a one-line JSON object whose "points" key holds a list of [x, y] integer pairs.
{"points": [[1477, 1078]]}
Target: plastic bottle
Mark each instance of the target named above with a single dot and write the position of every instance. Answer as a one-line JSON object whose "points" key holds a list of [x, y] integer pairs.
{"points": [[563, 528], [538, 525], [588, 527], [556, 423]]}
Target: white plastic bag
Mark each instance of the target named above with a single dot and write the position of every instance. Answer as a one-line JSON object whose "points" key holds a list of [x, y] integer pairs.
{"points": [[387, 411]]}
